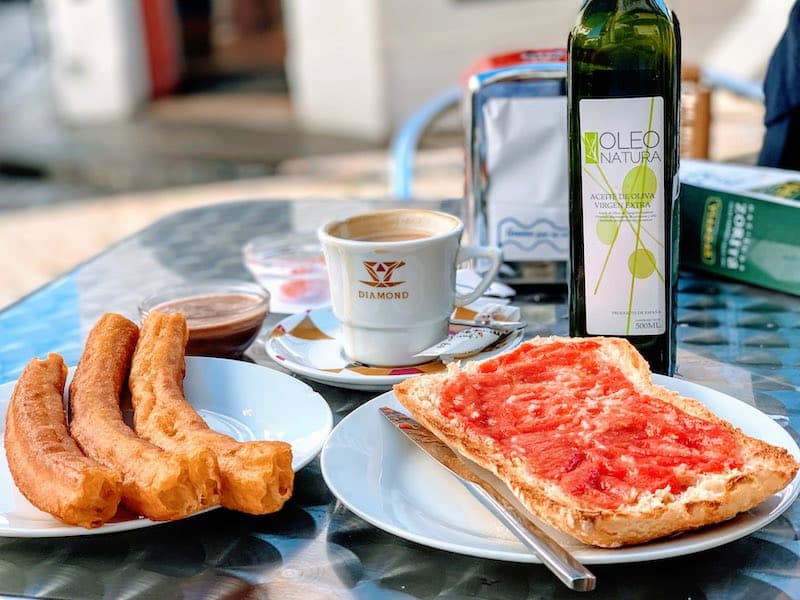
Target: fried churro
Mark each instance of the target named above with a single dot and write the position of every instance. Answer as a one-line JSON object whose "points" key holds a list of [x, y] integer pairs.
{"points": [[158, 484], [256, 476], [45, 462]]}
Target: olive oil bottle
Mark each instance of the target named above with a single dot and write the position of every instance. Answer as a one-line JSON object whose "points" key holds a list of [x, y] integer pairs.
{"points": [[623, 93]]}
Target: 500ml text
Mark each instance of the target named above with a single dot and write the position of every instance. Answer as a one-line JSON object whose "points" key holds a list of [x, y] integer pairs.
{"points": [[362, 295], [647, 325]]}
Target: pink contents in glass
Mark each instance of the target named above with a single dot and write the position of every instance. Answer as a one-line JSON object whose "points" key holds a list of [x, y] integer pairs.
{"points": [[292, 268]]}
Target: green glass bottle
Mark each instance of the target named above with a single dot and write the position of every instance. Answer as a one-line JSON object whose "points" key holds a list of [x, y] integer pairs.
{"points": [[623, 110]]}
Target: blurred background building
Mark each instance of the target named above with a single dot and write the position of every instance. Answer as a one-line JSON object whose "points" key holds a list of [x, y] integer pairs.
{"points": [[109, 99]]}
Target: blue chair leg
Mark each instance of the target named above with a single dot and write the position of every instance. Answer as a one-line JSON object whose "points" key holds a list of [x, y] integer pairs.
{"points": [[406, 141]]}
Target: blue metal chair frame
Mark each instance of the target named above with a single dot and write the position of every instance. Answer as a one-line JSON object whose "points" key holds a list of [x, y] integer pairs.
{"points": [[406, 142]]}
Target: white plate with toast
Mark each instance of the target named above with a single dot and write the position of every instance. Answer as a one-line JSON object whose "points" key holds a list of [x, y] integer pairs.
{"points": [[244, 400], [386, 480]]}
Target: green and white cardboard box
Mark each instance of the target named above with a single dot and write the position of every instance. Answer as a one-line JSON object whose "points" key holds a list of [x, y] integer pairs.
{"points": [[741, 222]]}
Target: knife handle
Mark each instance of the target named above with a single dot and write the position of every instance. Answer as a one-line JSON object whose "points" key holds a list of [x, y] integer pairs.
{"points": [[575, 575]]}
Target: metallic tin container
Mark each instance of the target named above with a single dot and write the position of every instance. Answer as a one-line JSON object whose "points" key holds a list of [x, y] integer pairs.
{"points": [[516, 175]]}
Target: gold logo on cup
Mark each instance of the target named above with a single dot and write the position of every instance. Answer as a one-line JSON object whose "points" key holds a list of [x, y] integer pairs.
{"points": [[381, 273]]}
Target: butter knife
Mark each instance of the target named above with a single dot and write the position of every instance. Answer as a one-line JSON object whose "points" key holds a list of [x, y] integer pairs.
{"points": [[489, 491]]}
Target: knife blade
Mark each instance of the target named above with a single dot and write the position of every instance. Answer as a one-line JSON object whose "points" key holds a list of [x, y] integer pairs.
{"points": [[490, 491]]}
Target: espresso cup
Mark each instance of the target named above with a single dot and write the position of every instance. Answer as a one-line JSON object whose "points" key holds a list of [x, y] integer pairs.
{"points": [[393, 281]]}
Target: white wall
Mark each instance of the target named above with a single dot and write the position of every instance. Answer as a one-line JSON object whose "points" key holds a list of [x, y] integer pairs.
{"points": [[335, 65], [744, 40], [361, 67]]}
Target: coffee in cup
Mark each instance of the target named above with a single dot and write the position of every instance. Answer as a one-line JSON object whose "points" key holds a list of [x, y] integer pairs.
{"points": [[393, 281]]}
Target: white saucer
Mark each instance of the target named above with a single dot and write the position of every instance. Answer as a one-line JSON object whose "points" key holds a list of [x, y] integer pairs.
{"points": [[308, 344]]}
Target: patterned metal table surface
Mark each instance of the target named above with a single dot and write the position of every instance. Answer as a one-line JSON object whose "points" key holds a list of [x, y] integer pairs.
{"points": [[738, 339]]}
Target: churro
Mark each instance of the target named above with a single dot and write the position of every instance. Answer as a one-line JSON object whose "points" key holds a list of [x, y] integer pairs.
{"points": [[46, 464], [256, 476], [158, 484]]}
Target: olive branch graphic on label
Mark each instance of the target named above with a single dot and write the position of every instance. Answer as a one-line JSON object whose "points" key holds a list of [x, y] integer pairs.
{"points": [[591, 147]]}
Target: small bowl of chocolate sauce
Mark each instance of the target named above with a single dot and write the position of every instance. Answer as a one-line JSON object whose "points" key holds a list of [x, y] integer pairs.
{"points": [[224, 317]]}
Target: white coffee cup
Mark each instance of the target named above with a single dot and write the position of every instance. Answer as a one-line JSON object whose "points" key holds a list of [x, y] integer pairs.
{"points": [[393, 281]]}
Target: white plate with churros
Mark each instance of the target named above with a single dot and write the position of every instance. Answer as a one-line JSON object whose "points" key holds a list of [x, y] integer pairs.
{"points": [[243, 400]]}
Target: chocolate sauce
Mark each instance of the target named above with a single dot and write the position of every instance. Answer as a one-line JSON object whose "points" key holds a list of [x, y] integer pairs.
{"points": [[223, 324]]}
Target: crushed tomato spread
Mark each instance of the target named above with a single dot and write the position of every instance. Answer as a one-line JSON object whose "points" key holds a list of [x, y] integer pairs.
{"points": [[577, 421]]}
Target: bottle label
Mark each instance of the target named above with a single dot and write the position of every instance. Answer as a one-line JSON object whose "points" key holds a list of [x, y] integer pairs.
{"points": [[622, 147]]}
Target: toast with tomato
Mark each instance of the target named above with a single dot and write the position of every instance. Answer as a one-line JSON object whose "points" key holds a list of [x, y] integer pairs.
{"points": [[587, 442]]}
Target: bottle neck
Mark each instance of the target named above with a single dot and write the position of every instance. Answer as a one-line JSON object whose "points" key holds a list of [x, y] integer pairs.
{"points": [[626, 5]]}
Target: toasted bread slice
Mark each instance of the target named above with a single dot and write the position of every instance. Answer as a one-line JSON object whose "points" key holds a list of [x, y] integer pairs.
{"points": [[585, 440]]}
